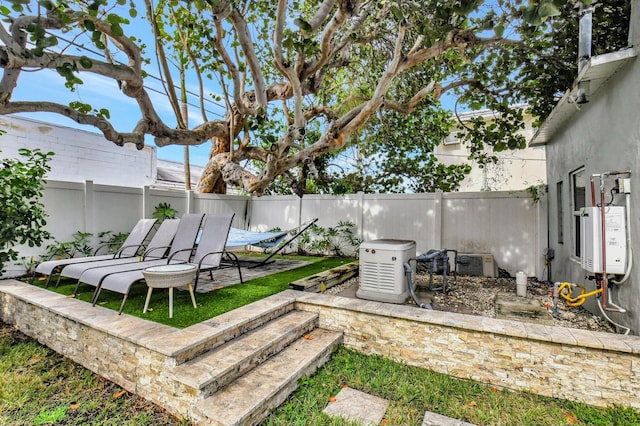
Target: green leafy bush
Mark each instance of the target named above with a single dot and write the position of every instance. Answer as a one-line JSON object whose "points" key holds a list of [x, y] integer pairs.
{"points": [[79, 246], [164, 211], [111, 240], [336, 240], [23, 215]]}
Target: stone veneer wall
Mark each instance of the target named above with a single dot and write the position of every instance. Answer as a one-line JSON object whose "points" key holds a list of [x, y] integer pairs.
{"points": [[134, 353], [600, 369], [596, 368]]}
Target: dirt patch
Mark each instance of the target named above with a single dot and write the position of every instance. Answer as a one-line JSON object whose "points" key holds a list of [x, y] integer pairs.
{"points": [[489, 297]]}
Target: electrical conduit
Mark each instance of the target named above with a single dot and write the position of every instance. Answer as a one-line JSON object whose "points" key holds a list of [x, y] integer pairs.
{"points": [[408, 272]]}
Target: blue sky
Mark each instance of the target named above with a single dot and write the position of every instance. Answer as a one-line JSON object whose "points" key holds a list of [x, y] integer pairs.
{"points": [[100, 92], [104, 93]]}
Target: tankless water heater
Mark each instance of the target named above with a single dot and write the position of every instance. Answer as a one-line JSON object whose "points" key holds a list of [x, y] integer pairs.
{"points": [[615, 241]]}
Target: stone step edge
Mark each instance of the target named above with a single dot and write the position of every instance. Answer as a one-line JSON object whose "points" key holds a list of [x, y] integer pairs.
{"points": [[204, 384], [205, 336], [281, 382]]}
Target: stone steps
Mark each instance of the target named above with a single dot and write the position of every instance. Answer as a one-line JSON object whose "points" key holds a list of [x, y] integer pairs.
{"points": [[223, 328], [246, 362], [206, 374], [248, 399]]}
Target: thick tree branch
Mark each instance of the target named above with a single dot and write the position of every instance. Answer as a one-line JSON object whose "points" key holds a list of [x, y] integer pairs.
{"points": [[107, 129], [409, 107], [278, 34], [381, 89], [231, 68], [164, 67], [326, 50], [321, 14], [244, 37]]}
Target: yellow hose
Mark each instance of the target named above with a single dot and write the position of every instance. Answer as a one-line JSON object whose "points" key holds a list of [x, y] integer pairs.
{"points": [[565, 290]]}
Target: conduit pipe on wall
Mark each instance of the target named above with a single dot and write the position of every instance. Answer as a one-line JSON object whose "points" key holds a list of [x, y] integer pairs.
{"points": [[585, 25], [603, 244], [620, 326]]}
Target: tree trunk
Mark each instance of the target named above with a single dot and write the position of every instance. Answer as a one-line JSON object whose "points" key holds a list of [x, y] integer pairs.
{"points": [[211, 180]]}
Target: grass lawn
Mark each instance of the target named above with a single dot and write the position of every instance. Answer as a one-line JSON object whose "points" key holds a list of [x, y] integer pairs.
{"points": [[411, 391], [210, 304], [41, 387]]}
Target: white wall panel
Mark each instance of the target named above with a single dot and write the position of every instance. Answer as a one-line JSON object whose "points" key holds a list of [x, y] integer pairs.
{"points": [[216, 204], [275, 212], [403, 216], [503, 224]]}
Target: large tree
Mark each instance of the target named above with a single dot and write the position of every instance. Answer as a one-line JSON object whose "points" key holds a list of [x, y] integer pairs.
{"points": [[284, 67]]}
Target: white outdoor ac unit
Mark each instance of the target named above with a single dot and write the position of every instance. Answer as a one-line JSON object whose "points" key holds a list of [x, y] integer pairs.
{"points": [[479, 265], [591, 239], [381, 275]]}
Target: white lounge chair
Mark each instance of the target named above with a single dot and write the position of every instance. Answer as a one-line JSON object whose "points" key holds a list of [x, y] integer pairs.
{"points": [[130, 247], [208, 256], [157, 247], [181, 249]]}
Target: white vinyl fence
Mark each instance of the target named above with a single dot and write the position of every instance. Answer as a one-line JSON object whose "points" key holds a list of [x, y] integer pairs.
{"points": [[506, 224]]}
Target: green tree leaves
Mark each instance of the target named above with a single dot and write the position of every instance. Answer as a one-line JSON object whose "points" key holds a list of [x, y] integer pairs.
{"points": [[21, 187]]}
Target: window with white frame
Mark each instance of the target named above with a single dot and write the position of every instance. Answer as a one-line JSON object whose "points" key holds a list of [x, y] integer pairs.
{"points": [[451, 139], [578, 181]]}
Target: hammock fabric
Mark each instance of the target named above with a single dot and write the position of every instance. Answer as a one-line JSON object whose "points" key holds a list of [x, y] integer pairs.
{"points": [[240, 237]]}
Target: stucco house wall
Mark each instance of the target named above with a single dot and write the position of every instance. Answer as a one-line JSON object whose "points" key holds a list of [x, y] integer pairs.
{"points": [[515, 170], [601, 136], [79, 155]]}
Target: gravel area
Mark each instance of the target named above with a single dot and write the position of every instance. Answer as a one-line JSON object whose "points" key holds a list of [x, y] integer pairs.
{"points": [[476, 296]]}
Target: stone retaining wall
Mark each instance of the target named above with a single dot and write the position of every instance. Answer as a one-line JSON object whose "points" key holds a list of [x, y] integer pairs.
{"points": [[600, 369], [596, 368], [136, 354]]}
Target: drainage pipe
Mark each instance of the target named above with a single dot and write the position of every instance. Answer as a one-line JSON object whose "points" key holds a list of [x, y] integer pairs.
{"points": [[408, 272]]}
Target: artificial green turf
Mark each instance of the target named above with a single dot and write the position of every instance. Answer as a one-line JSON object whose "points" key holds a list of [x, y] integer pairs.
{"points": [[210, 304]]}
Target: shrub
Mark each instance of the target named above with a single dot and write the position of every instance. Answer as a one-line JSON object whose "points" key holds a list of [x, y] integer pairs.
{"points": [[67, 249], [164, 211], [23, 215], [336, 240]]}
